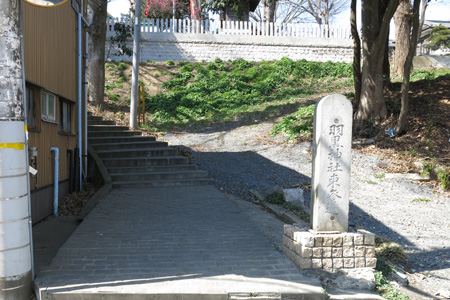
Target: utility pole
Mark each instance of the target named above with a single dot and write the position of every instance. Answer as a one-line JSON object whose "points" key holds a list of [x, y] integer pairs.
{"points": [[15, 240], [136, 59]]}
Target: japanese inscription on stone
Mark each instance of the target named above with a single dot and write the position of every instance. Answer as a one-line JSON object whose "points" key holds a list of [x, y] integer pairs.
{"points": [[331, 164]]}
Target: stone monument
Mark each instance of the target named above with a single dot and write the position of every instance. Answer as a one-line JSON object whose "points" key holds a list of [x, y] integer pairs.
{"points": [[329, 244]]}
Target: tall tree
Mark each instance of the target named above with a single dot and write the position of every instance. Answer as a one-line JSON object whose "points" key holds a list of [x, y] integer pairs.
{"points": [[375, 28], [15, 249], [287, 11], [269, 10], [324, 10], [439, 37], [403, 22], [284, 11], [402, 119], [97, 38], [356, 55]]}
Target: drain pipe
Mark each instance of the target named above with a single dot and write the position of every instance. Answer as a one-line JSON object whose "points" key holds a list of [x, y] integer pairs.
{"points": [[80, 132], [84, 22], [55, 193], [86, 64]]}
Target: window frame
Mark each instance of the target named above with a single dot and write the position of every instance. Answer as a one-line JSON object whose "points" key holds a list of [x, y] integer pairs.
{"points": [[30, 94], [65, 115], [46, 105]]}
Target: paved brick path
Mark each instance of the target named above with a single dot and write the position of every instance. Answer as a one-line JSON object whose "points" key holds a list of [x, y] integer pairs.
{"points": [[170, 243]]}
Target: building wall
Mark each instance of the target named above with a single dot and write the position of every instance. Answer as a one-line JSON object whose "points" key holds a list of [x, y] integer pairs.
{"points": [[51, 65], [198, 47]]}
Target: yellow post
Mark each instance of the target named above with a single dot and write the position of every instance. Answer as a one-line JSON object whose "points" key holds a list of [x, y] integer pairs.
{"points": [[143, 104], [139, 105]]}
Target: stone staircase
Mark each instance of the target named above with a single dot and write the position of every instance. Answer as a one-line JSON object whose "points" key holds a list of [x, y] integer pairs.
{"points": [[133, 160]]}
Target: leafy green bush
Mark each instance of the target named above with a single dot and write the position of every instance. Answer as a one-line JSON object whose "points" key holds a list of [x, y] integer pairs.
{"points": [[275, 198], [444, 177], [170, 62], [221, 90], [122, 66], [119, 41], [423, 74], [383, 285], [187, 68], [297, 124], [109, 86], [114, 97]]}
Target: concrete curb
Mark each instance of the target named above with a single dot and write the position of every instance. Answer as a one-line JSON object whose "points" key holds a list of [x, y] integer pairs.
{"points": [[282, 213], [105, 190]]}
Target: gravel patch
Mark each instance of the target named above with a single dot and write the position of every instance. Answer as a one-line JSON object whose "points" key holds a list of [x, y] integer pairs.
{"points": [[241, 158]]}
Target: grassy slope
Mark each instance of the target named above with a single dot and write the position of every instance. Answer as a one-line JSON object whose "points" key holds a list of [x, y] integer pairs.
{"points": [[180, 94]]}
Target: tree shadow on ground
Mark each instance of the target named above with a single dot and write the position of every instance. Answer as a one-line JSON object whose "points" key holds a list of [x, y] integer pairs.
{"points": [[239, 172]]}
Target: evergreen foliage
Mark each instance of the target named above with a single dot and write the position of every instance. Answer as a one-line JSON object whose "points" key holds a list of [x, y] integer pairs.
{"points": [[439, 38]]}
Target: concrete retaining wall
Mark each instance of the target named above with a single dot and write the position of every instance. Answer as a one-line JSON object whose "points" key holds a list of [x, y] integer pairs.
{"points": [[198, 47]]}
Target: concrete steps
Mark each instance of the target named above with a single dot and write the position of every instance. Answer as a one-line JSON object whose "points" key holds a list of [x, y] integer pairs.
{"points": [[129, 145], [145, 161], [111, 133], [120, 139], [142, 169], [133, 160]]}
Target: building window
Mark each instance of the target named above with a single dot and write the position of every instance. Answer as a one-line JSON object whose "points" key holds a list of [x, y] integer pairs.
{"points": [[31, 116], [65, 122], [48, 106]]}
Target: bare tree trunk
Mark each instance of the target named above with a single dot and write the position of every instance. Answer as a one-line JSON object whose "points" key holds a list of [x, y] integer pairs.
{"points": [[422, 20], [97, 38], [356, 56], [269, 10], [403, 21], [372, 105], [403, 117]]}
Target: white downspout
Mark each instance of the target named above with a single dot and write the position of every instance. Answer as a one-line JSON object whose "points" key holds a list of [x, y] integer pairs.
{"points": [[56, 189], [80, 132], [86, 99]]}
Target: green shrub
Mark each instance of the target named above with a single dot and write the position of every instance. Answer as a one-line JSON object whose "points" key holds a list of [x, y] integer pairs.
{"points": [[297, 124], [109, 86], [427, 170], [275, 198], [170, 62], [114, 97], [187, 68], [219, 91], [122, 66], [383, 285], [444, 177]]}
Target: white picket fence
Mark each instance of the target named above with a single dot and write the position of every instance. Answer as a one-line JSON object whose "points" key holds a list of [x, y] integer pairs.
{"points": [[234, 28]]}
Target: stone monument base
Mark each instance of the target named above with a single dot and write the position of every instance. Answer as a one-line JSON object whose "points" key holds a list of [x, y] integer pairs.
{"points": [[329, 250]]}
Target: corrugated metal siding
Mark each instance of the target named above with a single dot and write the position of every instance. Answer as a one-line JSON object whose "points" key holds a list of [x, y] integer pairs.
{"points": [[50, 40], [50, 46]]}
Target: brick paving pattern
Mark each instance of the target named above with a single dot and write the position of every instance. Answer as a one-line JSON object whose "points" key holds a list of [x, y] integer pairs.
{"points": [[170, 240]]}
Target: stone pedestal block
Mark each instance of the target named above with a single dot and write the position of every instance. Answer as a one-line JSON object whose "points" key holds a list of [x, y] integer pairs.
{"points": [[348, 250]]}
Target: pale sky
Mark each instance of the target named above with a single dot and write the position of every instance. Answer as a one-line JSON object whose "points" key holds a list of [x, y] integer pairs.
{"points": [[437, 10]]}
